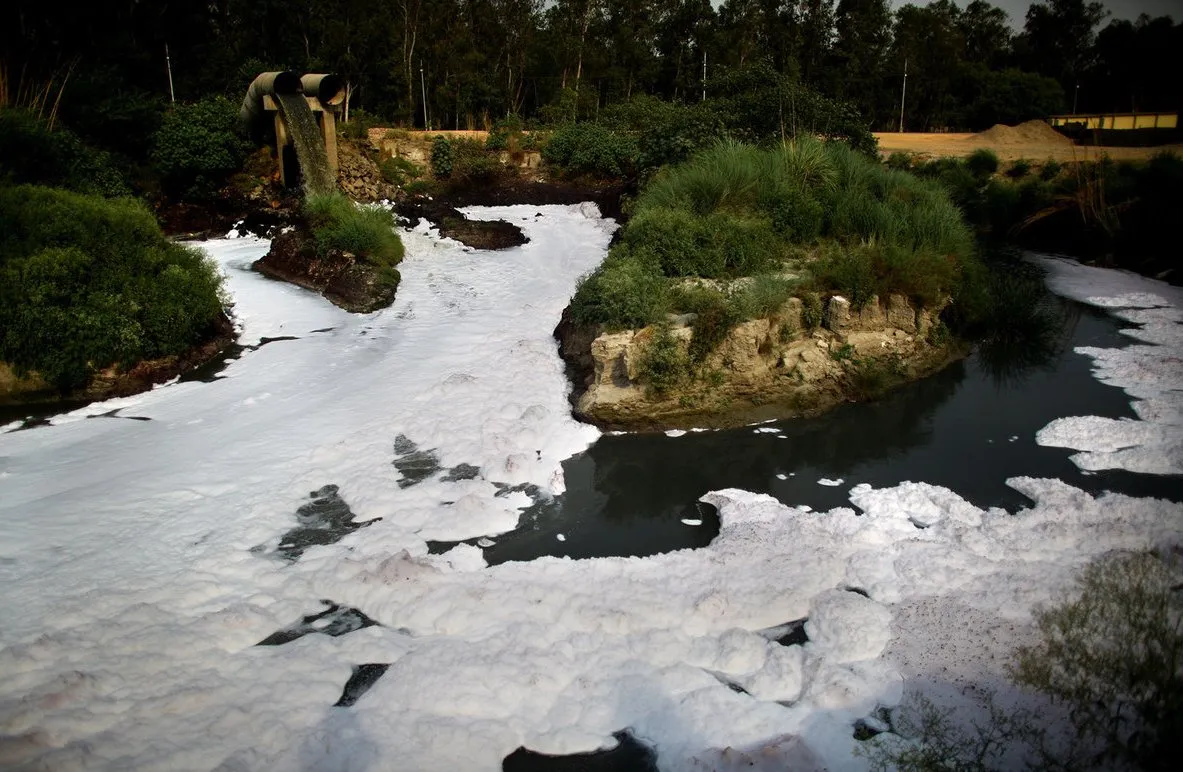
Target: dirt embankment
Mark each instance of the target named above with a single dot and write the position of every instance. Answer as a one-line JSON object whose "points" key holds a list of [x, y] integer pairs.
{"points": [[1033, 140], [769, 368]]}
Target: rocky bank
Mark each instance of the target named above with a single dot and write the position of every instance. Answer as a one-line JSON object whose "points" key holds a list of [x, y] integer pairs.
{"points": [[774, 367]]}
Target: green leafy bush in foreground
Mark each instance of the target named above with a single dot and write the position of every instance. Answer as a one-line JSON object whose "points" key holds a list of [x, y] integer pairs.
{"points": [[366, 232], [86, 283]]}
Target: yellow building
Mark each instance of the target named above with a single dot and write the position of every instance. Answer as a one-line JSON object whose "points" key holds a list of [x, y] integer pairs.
{"points": [[1116, 121]]}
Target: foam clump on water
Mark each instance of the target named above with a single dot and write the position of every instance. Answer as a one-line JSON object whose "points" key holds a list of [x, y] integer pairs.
{"points": [[1150, 371]]}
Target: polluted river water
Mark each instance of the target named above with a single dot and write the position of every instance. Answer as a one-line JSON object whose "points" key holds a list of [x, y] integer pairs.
{"points": [[344, 548]]}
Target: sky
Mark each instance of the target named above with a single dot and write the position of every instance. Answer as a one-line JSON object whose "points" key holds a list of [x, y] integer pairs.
{"points": [[1120, 9]]}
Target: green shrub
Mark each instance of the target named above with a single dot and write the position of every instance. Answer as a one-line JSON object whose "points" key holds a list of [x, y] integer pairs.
{"points": [[716, 246], [32, 154], [711, 326], [763, 295], [591, 149], [86, 283], [812, 311], [198, 147], [398, 171], [505, 134], [359, 124], [367, 232], [850, 271], [900, 161], [442, 157], [623, 293], [472, 163], [1051, 169], [1019, 169], [982, 163], [662, 365]]}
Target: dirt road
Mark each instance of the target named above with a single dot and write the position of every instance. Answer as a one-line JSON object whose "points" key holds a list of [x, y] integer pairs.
{"points": [[1034, 141]]}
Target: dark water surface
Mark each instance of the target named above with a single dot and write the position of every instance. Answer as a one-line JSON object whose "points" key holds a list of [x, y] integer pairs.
{"points": [[967, 428]]}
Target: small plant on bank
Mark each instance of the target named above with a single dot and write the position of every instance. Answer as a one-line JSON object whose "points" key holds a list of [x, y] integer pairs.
{"points": [[812, 311], [1051, 169], [1019, 169], [982, 163], [1112, 654], [442, 157], [367, 232], [663, 365], [399, 171], [900, 161], [1109, 653]]}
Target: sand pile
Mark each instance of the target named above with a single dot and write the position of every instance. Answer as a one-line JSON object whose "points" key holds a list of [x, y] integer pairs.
{"points": [[1029, 133]]}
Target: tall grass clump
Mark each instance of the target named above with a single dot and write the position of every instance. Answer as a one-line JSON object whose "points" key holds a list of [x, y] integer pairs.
{"points": [[735, 211], [367, 232], [87, 282]]}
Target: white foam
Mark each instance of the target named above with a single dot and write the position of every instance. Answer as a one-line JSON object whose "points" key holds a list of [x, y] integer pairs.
{"points": [[132, 597], [1151, 372], [830, 483]]}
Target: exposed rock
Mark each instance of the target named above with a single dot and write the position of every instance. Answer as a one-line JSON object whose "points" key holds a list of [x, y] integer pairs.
{"points": [[343, 279], [763, 368], [359, 177], [838, 314], [900, 314], [478, 234]]}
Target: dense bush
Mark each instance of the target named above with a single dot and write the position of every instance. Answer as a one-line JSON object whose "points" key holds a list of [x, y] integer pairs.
{"points": [[198, 147], [442, 157], [32, 154], [398, 171], [366, 232], [591, 149], [982, 162], [736, 211], [86, 283], [622, 293]]}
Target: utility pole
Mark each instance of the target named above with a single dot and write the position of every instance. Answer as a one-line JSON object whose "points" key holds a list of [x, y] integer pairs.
{"points": [[1075, 95], [704, 75], [169, 64], [423, 87], [903, 94]]}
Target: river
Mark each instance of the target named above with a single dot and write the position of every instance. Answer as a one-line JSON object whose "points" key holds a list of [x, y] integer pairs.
{"points": [[418, 471]]}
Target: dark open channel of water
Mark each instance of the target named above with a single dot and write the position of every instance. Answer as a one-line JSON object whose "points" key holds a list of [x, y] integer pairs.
{"points": [[967, 429]]}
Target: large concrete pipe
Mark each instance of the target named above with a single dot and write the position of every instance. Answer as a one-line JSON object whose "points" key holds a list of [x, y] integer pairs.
{"points": [[328, 89], [253, 115]]}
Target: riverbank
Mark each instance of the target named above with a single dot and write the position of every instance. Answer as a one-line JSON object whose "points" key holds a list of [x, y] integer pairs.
{"points": [[763, 369]]}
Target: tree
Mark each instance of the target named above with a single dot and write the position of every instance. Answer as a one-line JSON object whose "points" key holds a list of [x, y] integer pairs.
{"points": [[817, 35], [929, 41], [1058, 38], [987, 33], [855, 70]]}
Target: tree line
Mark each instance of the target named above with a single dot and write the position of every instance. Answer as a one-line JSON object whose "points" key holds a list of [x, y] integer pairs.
{"points": [[467, 63]]}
